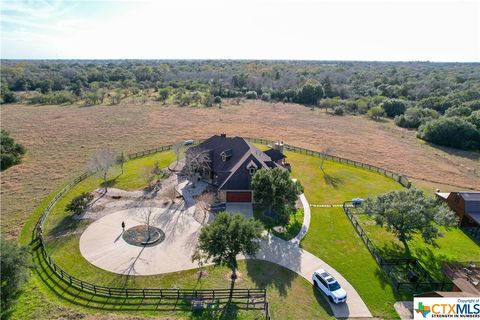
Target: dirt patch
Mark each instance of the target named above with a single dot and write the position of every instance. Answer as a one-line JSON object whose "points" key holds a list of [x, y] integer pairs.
{"points": [[60, 141]]}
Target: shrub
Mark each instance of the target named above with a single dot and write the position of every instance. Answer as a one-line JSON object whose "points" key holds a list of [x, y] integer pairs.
{"points": [[6, 96], [439, 104], [375, 113], [15, 262], [350, 106], [414, 117], [79, 203], [338, 111], [460, 111], [266, 96], [37, 98], [394, 107], [208, 100], [310, 92], [10, 152], [474, 119], [217, 99], [473, 105], [251, 95], [452, 132]]}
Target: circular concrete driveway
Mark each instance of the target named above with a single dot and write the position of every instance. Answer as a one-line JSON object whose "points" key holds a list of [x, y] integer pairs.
{"points": [[103, 246]]}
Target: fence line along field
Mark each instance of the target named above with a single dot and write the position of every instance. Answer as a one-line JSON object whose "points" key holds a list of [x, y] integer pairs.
{"points": [[61, 139]]}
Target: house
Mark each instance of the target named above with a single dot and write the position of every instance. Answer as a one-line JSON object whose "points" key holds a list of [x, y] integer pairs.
{"points": [[231, 162], [466, 205]]}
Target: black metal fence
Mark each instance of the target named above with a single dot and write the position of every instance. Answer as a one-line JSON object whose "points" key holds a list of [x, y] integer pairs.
{"points": [[399, 178], [388, 265]]}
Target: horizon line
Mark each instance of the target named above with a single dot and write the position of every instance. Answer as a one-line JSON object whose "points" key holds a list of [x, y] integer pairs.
{"points": [[238, 59]]}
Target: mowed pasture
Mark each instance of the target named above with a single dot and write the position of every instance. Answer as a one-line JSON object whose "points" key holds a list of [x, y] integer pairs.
{"points": [[61, 139]]}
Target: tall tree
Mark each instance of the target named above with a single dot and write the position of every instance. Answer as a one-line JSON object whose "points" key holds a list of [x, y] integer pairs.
{"points": [[326, 151], [10, 151], [228, 236], [101, 162], [15, 261], [409, 212], [310, 92], [146, 216], [273, 189], [453, 132], [394, 107], [121, 158], [177, 149]]}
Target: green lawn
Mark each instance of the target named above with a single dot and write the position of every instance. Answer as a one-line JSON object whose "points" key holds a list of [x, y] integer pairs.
{"points": [[291, 230], [132, 178], [455, 245], [62, 239], [331, 235]]}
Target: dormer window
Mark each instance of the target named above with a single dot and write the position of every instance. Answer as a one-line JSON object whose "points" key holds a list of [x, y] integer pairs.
{"points": [[252, 168], [225, 155]]}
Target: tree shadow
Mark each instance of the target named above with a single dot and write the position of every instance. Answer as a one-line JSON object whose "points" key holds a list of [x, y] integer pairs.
{"points": [[431, 262], [110, 182], [265, 274], [67, 226], [468, 154], [322, 301], [474, 238], [216, 311], [393, 250], [335, 182], [74, 295], [382, 278], [280, 262], [86, 105]]}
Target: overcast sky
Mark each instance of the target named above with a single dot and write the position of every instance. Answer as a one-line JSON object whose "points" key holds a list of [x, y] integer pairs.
{"points": [[242, 29]]}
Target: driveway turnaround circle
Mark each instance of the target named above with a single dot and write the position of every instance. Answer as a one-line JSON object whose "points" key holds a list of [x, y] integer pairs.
{"points": [[103, 245]]}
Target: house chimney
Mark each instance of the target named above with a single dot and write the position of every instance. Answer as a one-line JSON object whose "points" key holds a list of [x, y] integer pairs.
{"points": [[278, 146], [223, 135]]}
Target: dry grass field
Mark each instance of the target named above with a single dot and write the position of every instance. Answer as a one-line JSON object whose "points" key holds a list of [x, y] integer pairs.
{"points": [[60, 140]]}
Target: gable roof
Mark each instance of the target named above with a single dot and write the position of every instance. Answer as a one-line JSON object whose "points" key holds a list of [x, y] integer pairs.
{"points": [[275, 155], [232, 174]]}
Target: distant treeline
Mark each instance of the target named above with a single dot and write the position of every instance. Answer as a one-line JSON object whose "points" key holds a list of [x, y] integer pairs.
{"points": [[442, 100]]}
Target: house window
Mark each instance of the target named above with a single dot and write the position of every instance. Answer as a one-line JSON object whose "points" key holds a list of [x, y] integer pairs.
{"points": [[251, 170]]}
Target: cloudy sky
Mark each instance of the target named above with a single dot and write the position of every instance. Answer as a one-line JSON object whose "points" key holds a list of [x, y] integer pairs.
{"points": [[262, 29]]}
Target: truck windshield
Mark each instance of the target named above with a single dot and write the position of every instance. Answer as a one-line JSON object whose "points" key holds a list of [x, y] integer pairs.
{"points": [[334, 286]]}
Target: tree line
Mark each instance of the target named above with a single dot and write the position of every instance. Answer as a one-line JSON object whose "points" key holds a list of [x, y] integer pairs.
{"points": [[426, 96]]}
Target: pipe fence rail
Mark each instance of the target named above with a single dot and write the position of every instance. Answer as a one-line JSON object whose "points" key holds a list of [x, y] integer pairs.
{"points": [[249, 299]]}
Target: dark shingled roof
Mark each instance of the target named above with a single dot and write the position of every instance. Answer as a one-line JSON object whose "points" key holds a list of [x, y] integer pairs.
{"points": [[232, 174], [275, 155], [472, 204]]}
